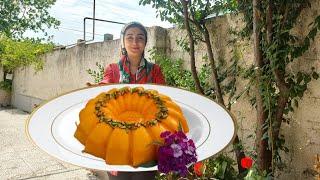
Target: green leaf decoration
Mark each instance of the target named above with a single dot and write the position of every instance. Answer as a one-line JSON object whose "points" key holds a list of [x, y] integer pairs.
{"points": [[158, 143], [180, 127], [149, 164]]}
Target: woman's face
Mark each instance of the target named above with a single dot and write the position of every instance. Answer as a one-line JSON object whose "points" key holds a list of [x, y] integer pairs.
{"points": [[134, 42]]}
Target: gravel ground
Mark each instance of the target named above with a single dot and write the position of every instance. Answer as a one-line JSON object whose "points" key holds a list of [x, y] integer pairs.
{"points": [[20, 159]]}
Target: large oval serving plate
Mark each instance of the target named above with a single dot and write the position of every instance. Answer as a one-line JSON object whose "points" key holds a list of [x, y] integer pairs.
{"points": [[52, 125]]}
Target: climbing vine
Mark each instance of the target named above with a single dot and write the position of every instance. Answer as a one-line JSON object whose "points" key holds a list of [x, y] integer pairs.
{"points": [[278, 89]]}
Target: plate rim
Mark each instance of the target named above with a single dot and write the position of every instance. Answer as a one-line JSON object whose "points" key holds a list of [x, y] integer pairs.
{"points": [[100, 85]]}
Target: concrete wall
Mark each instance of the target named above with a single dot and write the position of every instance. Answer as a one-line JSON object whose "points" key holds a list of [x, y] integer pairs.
{"points": [[65, 70], [303, 132]]}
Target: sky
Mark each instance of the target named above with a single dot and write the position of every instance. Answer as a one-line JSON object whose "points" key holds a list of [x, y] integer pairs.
{"points": [[70, 13]]}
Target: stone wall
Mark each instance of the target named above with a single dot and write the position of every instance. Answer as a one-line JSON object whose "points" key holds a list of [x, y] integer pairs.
{"points": [[65, 70]]}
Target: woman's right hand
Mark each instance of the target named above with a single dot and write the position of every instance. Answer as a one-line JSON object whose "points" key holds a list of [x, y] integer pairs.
{"points": [[113, 173], [89, 84]]}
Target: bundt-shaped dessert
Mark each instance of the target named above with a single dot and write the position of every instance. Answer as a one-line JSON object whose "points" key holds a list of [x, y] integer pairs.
{"points": [[122, 125]]}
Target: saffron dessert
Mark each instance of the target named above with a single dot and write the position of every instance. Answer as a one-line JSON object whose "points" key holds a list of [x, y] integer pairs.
{"points": [[121, 125]]}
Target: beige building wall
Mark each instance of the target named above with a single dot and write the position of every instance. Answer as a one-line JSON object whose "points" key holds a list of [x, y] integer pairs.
{"points": [[65, 70]]}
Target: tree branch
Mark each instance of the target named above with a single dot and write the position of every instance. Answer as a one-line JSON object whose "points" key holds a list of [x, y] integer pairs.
{"points": [[281, 102], [201, 27], [213, 67], [285, 16], [279, 76], [269, 22], [207, 6], [264, 156], [191, 40], [177, 6]]}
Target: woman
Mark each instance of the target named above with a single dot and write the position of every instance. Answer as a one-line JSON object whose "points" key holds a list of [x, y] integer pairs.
{"points": [[135, 69]]}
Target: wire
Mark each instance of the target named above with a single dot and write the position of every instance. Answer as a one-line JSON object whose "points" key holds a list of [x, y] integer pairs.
{"points": [[70, 29]]}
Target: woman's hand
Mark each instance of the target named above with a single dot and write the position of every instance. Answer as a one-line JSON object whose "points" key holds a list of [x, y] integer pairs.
{"points": [[89, 84], [113, 173]]}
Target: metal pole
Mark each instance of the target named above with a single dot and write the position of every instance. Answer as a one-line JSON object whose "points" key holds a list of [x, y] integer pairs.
{"points": [[94, 17], [103, 20], [93, 26]]}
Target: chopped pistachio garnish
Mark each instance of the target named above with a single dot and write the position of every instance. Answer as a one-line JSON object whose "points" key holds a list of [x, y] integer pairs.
{"points": [[160, 115]]}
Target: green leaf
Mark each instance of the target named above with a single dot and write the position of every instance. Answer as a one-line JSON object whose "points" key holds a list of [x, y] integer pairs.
{"points": [[223, 169], [315, 75], [148, 164], [313, 33], [180, 126], [6, 85], [97, 75], [265, 136], [158, 143], [220, 170]]}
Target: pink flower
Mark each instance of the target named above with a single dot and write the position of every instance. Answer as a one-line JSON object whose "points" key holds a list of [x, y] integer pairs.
{"points": [[177, 152], [246, 162]]}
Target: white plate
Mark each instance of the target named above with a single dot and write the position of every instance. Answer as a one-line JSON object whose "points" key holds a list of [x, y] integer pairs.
{"points": [[51, 126]]}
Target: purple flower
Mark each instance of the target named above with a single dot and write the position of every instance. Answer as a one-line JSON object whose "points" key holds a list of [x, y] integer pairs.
{"points": [[165, 134], [181, 135], [190, 150], [176, 154]]}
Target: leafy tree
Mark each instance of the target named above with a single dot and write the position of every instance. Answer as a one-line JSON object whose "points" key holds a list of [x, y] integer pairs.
{"points": [[277, 90], [19, 53], [192, 15], [18, 16], [270, 24]]}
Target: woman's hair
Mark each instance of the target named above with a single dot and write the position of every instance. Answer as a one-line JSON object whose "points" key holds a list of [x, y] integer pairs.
{"points": [[123, 32]]}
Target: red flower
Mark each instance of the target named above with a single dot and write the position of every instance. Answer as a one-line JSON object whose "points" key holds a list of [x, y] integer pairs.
{"points": [[198, 168], [246, 162]]}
